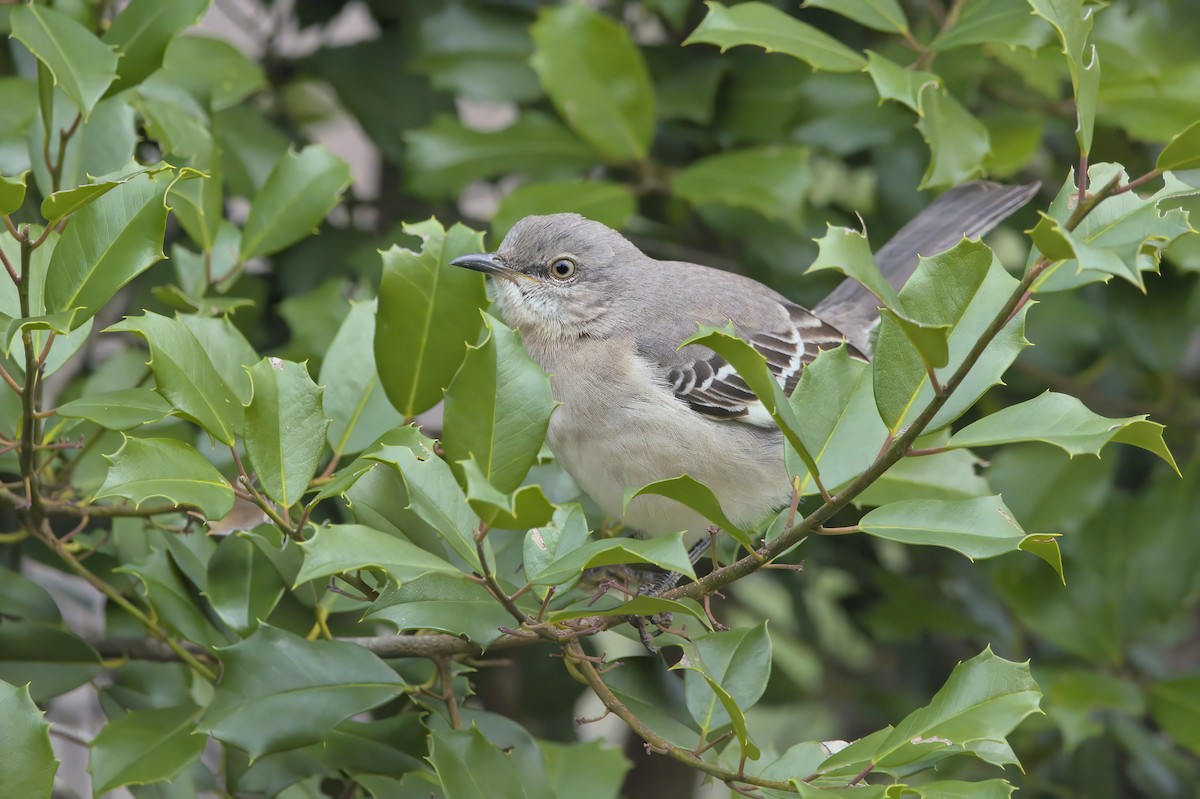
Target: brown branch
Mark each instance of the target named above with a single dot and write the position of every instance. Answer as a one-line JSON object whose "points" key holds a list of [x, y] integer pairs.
{"points": [[583, 666]]}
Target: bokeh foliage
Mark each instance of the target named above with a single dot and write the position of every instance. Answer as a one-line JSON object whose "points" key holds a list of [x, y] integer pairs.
{"points": [[146, 392]]}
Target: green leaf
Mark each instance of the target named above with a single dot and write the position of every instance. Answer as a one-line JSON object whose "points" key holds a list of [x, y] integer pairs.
{"points": [[638, 606], [346, 547], [123, 409], [771, 181], [739, 661], [173, 600], [944, 475], [243, 584], [446, 156], [141, 33], [592, 770], [498, 408], [962, 288], [448, 603], [752, 367], [52, 660], [29, 766], [428, 315], [847, 251], [228, 77], [1124, 236], [667, 552], [12, 193], [107, 244], [984, 699], [1174, 707], [145, 746], [462, 758], [688, 491], [285, 428], [736, 717], [771, 29], [609, 203], [597, 80], [227, 348], [992, 22], [981, 527], [434, 497], [1182, 152], [1065, 422], [566, 532], [301, 189], [881, 15], [958, 142], [354, 400], [185, 375], [519, 510], [25, 600], [478, 51], [272, 671], [1072, 20], [68, 201], [894, 82], [82, 66], [145, 468], [842, 429]]}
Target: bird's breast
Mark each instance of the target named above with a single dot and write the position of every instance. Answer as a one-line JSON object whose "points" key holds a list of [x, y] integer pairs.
{"points": [[620, 427]]}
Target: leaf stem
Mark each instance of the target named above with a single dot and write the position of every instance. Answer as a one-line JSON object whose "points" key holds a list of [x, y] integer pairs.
{"points": [[119, 599]]}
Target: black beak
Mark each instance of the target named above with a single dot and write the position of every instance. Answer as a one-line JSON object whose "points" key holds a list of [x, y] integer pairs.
{"points": [[486, 262]]}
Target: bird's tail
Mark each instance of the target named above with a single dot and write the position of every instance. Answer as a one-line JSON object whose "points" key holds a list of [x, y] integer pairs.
{"points": [[970, 210]]}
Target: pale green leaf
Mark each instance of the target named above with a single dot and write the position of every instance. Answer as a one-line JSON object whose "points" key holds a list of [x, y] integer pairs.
{"points": [[1065, 422], [186, 376], [958, 142], [354, 400], [267, 676], [771, 29], [881, 15], [111, 241], [688, 491], [124, 409], [347, 547], [596, 78], [301, 189], [141, 33], [428, 315], [148, 468], [81, 64], [446, 156], [981, 527], [145, 746], [498, 408], [29, 765], [772, 181], [285, 428]]}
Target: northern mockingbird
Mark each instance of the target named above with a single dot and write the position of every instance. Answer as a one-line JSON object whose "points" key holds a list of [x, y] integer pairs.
{"points": [[605, 321]]}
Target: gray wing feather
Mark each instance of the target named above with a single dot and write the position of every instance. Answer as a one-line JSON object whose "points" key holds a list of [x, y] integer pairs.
{"points": [[970, 210], [788, 336], [709, 385]]}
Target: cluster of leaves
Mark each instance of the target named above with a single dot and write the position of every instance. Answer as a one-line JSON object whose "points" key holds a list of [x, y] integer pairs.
{"points": [[254, 523]]}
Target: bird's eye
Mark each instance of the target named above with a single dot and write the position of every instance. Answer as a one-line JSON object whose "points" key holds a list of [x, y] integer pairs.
{"points": [[562, 269]]}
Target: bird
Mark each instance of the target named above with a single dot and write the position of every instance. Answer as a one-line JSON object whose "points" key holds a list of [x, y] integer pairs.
{"points": [[606, 321]]}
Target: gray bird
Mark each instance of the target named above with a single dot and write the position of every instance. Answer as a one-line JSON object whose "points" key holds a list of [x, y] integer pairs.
{"points": [[605, 321]]}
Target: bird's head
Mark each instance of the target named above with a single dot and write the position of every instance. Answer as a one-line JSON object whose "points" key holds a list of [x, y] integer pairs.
{"points": [[559, 275]]}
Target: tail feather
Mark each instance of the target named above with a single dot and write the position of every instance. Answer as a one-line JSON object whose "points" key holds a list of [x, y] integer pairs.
{"points": [[970, 210]]}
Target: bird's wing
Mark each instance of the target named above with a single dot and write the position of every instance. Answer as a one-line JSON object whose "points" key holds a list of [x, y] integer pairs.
{"points": [[970, 210], [709, 385]]}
